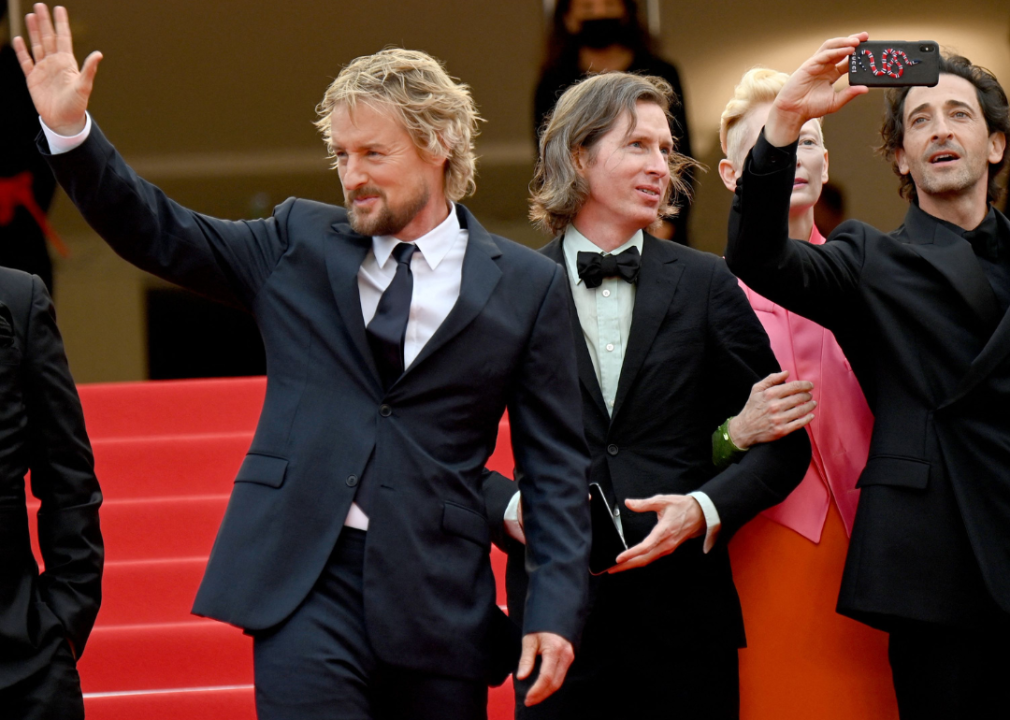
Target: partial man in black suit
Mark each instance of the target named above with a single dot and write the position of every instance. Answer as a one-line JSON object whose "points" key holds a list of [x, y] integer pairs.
{"points": [[355, 547], [45, 619], [668, 348], [921, 313]]}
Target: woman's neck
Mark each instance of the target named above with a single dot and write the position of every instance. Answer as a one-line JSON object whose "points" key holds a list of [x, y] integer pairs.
{"points": [[801, 225]]}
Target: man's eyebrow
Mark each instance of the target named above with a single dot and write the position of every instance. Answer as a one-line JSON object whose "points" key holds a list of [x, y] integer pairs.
{"points": [[919, 108], [958, 103]]}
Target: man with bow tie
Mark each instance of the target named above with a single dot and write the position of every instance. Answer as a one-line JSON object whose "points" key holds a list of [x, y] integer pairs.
{"points": [[922, 315], [667, 349]]}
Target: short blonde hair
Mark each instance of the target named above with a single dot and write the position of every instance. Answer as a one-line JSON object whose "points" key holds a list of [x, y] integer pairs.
{"points": [[758, 86], [583, 115], [438, 113]]}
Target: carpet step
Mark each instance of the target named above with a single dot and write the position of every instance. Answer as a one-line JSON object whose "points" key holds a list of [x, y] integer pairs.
{"points": [[172, 407], [163, 528], [150, 591], [227, 703], [164, 466], [199, 653]]}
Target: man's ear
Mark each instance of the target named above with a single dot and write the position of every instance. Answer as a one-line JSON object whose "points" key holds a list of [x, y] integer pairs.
{"points": [[728, 174], [899, 159], [824, 173], [997, 146], [580, 158]]}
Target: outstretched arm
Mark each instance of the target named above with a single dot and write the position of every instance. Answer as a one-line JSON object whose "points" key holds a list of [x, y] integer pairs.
{"points": [[59, 89]]}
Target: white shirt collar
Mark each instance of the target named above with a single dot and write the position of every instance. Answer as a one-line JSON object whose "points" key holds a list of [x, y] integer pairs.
{"points": [[576, 242], [434, 245]]}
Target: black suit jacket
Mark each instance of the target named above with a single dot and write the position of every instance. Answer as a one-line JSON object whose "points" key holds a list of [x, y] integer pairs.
{"points": [[694, 351], [920, 325], [42, 430], [428, 587]]}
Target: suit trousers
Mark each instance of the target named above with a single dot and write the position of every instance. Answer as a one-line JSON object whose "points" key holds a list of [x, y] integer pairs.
{"points": [[950, 673], [619, 674], [319, 663], [52, 693]]}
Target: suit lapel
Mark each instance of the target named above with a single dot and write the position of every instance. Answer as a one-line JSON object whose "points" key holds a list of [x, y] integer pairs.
{"points": [[345, 251], [657, 284], [587, 374], [953, 258], [481, 275], [994, 352]]}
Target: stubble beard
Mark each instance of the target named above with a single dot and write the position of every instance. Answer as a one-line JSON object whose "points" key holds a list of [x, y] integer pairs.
{"points": [[385, 220], [964, 178]]}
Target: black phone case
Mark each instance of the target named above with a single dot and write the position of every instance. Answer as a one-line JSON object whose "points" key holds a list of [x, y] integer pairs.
{"points": [[895, 64], [608, 541]]}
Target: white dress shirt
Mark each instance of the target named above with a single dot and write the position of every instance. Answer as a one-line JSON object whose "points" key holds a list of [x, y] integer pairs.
{"points": [[605, 313], [437, 271]]}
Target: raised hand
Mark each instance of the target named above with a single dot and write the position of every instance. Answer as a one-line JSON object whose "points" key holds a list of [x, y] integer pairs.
{"points": [[810, 91], [774, 409], [59, 89], [678, 518]]}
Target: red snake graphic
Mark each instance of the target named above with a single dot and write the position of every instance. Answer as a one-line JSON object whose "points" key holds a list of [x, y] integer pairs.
{"points": [[888, 60]]}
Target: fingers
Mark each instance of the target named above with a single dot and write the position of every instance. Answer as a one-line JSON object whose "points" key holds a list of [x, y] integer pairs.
{"points": [[556, 657], [24, 57], [48, 34], [87, 83], [643, 548], [64, 41], [771, 380], [531, 645], [32, 23]]}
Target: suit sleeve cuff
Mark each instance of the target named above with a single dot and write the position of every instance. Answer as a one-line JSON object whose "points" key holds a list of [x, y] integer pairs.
{"points": [[59, 144], [712, 520], [512, 525], [765, 158]]}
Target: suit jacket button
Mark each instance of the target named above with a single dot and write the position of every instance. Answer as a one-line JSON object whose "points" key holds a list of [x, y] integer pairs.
{"points": [[385, 410], [612, 449], [352, 480]]}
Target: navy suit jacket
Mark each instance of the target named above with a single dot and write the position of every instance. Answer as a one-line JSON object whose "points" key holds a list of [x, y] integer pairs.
{"points": [[428, 588]]}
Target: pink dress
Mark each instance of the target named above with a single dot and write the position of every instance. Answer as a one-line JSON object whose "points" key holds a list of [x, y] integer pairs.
{"points": [[840, 432]]}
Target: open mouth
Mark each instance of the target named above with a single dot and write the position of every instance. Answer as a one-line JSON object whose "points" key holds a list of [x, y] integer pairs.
{"points": [[944, 157], [649, 192]]}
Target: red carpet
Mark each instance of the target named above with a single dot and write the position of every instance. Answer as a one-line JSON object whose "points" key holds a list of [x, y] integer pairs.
{"points": [[166, 455]]}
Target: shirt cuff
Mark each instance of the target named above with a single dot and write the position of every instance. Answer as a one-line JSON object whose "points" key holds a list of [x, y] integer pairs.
{"points": [[765, 158], [59, 144], [512, 524], [712, 519], [724, 450]]}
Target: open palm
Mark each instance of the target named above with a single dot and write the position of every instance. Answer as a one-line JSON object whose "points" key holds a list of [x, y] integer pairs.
{"points": [[59, 89]]}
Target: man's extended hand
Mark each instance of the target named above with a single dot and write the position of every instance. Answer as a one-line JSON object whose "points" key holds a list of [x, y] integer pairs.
{"points": [[810, 91], [774, 409], [556, 655], [59, 90], [678, 518]]}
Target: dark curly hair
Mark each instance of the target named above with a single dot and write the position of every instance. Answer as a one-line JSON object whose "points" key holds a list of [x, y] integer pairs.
{"points": [[991, 98]]}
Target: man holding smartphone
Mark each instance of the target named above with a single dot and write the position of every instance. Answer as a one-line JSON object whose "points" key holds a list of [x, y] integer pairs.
{"points": [[921, 313], [667, 348]]}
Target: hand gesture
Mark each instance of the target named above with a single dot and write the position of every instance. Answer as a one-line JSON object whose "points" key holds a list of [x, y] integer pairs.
{"points": [[59, 90], [678, 518], [774, 409], [810, 91], [556, 655]]}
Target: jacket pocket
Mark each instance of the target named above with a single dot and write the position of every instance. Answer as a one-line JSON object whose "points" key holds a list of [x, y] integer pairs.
{"points": [[263, 470], [895, 471], [466, 523]]}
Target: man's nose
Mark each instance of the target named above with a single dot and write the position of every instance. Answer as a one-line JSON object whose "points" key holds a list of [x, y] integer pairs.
{"points": [[659, 164], [353, 175], [941, 128]]}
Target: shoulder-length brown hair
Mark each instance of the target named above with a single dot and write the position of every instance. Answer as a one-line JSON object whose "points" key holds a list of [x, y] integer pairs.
{"points": [[585, 113]]}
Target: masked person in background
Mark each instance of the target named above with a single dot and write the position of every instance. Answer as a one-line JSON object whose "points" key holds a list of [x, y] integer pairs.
{"points": [[593, 36]]}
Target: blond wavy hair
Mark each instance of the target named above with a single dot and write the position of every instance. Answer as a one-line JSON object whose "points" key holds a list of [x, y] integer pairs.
{"points": [[437, 111], [583, 115], [758, 86]]}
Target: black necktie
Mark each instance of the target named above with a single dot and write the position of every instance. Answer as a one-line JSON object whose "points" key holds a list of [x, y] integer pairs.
{"points": [[388, 327], [594, 267]]}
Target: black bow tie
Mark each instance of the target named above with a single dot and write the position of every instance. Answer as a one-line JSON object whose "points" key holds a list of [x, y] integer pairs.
{"points": [[594, 266]]}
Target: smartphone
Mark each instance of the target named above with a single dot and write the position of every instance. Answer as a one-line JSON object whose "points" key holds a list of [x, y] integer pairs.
{"points": [[608, 540], [895, 63]]}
